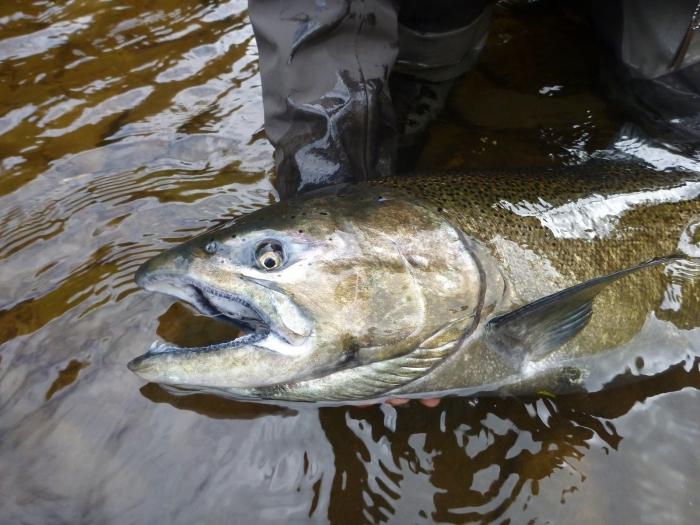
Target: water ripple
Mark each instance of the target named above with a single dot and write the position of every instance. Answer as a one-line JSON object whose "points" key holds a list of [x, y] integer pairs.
{"points": [[42, 40]]}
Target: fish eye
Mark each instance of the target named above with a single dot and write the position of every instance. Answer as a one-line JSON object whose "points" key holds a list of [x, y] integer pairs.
{"points": [[269, 255]]}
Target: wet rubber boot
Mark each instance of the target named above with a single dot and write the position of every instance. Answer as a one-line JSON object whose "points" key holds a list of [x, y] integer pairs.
{"points": [[651, 63], [324, 69], [436, 47]]}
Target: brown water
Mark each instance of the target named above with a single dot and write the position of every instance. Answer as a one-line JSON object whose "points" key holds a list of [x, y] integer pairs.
{"points": [[126, 127]]}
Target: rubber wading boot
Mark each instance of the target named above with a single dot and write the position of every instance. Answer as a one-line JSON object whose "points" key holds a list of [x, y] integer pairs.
{"points": [[436, 47]]}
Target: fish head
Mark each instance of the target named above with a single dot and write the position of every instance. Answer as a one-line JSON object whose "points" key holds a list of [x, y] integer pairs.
{"points": [[349, 277]]}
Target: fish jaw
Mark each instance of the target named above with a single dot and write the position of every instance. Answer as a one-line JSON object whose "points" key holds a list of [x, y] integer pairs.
{"points": [[250, 361], [279, 336]]}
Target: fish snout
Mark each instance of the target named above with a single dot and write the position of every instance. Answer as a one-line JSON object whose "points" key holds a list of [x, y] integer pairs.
{"points": [[170, 263], [145, 367], [138, 364], [151, 366]]}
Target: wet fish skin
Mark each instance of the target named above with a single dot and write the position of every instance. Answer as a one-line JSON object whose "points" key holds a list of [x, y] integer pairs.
{"points": [[390, 286]]}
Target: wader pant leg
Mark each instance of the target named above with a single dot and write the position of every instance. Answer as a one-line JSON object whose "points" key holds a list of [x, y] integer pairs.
{"points": [[443, 41], [437, 45], [651, 62], [324, 67]]}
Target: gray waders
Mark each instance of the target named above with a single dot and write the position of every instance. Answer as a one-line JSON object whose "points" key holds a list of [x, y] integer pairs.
{"points": [[325, 68], [346, 82]]}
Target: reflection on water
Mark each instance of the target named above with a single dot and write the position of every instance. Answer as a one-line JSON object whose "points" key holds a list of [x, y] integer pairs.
{"points": [[533, 459], [125, 129], [211, 406]]}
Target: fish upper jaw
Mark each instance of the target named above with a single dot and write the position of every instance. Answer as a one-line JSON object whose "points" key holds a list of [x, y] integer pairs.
{"points": [[274, 311]]}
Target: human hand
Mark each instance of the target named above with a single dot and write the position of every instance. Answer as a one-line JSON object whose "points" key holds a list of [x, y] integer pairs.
{"points": [[398, 401]]}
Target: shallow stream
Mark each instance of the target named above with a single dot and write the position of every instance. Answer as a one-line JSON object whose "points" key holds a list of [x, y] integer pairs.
{"points": [[127, 127]]}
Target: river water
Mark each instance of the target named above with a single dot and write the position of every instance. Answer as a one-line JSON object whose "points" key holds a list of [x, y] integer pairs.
{"points": [[127, 127]]}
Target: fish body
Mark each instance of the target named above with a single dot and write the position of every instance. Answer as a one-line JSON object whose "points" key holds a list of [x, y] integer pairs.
{"points": [[481, 282]]}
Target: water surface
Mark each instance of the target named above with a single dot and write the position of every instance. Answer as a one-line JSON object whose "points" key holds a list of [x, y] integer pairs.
{"points": [[126, 128]]}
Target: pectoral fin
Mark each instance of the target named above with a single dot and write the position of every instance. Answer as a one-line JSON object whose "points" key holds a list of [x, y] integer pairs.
{"points": [[536, 329]]}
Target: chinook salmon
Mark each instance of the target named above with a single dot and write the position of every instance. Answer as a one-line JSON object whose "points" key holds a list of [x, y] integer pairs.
{"points": [[480, 282]]}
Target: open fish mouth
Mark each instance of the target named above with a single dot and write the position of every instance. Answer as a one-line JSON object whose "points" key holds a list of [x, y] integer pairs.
{"points": [[221, 306], [259, 330]]}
